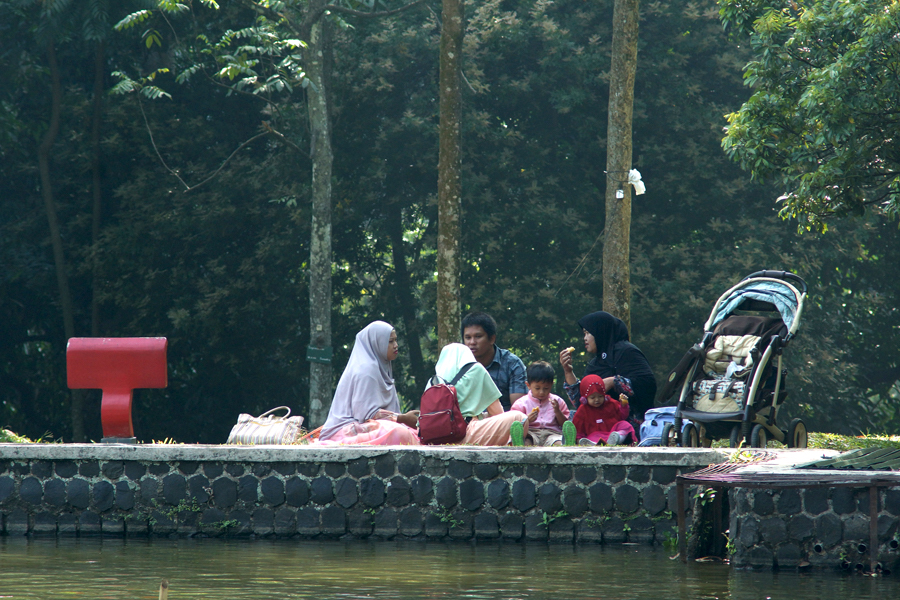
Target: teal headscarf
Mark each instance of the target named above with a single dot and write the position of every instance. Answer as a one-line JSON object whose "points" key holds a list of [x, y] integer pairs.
{"points": [[476, 390]]}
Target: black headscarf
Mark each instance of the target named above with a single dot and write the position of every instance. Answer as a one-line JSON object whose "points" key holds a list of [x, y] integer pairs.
{"points": [[617, 356]]}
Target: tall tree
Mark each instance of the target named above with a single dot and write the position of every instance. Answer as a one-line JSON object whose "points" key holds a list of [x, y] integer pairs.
{"points": [[449, 170], [617, 234]]}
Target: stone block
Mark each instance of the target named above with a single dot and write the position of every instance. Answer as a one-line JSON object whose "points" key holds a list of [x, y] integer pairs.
{"points": [[459, 469], [260, 470], [748, 531], [561, 529], [399, 492], [124, 495], [536, 528], [78, 493], [224, 492], [386, 522], [653, 499], [664, 475], [7, 488], [788, 556], [763, 503], [31, 491], [550, 498], [174, 489], [512, 526], [55, 492], [641, 530], [113, 469], [136, 526], [188, 522], [149, 490], [262, 522], [614, 531], [585, 475], [446, 492], [575, 501], [740, 500], [212, 470], [360, 522], [17, 522], [613, 473], [296, 491], [371, 491], [829, 530], [272, 489], [412, 524], [103, 495], [198, 489], [487, 526], [42, 469], [66, 525], [562, 473], [211, 522], [66, 468], [21, 469], [410, 464], [308, 521], [815, 500], [463, 526], [188, 467], [44, 523], [88, 523], [436, 525], [842, 501], [359, 467], [601, 498], [773, 531], [639, 473], [248, 489], [112, 526], [789, 502], [435, 467], [760, 557], [589, 531], [487, 471], [285, 469], [498, 494], [512, 471], [159, 468], [285, 522], [244, 523], [523, 495], [335, 470], [891, 501], [628, 499], [887, 527], [856, 528], [422, 489], [664, 530], [539, 473], [322, 490], [346, 493], [386, 466], [309, 469], [801, 528], [471, 494]]}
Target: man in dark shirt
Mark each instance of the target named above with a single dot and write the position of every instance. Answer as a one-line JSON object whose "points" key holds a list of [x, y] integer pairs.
{"points": [[479, 332]]}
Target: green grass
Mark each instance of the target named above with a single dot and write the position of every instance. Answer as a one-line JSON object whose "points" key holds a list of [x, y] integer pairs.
{"points": [[832, 441], [9, 437]]}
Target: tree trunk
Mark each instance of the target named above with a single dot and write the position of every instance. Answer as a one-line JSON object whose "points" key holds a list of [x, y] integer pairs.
{"points": [[62, 277], [407, 300], [96, 121], [320, 374], [616, 270], [449, 166]]}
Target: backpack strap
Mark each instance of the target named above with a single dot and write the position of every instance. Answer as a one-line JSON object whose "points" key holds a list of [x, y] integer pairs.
{"points": [[465, 369]]}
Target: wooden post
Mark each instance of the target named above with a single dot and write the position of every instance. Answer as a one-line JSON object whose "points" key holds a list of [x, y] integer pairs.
{"points": [[163, 589], [682, 526], [873, 527]]}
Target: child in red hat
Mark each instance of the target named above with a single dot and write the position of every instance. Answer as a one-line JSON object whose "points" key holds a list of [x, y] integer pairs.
{"points": [[601, 418]]}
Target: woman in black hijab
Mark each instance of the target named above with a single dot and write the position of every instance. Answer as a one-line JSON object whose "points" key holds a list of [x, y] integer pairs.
{"points": [[622, 366]]}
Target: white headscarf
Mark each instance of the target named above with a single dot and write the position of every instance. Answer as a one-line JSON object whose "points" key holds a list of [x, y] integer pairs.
{"points": [[476, 390], [367, 383]]}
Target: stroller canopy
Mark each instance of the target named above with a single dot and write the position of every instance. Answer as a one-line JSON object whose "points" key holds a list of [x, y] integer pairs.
{"points": [[781, 295]]}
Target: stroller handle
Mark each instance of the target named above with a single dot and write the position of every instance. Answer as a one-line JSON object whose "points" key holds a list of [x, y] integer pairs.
{"points": [[783, 275]]}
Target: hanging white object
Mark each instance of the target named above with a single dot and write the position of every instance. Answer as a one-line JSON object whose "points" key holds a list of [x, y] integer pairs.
{"points": [[634, 178], [620, 194]]}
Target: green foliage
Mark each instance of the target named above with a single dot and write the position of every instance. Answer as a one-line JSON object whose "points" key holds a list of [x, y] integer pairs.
{"points": [[826, 76], [547, 518]]}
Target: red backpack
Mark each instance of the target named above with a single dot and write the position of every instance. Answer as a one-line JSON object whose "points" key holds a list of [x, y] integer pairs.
{"points": [[440, 420]]}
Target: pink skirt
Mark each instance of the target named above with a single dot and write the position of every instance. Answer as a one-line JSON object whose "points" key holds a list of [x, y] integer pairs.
{"points": [[375, 432]]}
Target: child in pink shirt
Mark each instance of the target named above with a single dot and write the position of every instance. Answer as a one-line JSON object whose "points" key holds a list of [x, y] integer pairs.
{"points": [[546, 411]]}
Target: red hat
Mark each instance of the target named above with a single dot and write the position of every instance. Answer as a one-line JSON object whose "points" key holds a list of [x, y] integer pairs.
{"points": [[592, 384]]}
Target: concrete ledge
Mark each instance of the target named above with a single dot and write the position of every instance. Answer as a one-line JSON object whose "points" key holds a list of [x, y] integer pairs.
{"points": [[653, 456]]}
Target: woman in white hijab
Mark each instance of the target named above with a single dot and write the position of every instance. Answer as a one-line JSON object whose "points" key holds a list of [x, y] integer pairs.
{"points": [[366, 409], [477, 394]]}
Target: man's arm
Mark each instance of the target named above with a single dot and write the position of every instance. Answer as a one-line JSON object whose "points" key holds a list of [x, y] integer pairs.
{"points": [[517, 387]]}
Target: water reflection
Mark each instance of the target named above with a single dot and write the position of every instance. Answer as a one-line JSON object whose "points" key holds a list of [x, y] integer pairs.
{"points": [[38, 569]]}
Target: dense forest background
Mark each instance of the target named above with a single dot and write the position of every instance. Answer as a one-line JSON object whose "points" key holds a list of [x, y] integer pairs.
{"points": [[221, 269]]}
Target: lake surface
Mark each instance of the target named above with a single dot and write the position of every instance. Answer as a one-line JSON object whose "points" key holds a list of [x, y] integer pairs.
{"points": [[45, 569]]}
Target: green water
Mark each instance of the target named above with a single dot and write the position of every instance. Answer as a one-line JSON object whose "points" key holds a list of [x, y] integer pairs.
{"points": [[260, 570]]}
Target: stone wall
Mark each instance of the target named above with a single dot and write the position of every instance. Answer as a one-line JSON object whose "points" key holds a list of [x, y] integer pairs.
{"points": [[820, 527], [562, 495]]}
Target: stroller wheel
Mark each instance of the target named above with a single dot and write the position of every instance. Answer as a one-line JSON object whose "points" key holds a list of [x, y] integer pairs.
{"points": [[796, 434], [668, 436], [690, 437], [759, 437], [735, 439]]}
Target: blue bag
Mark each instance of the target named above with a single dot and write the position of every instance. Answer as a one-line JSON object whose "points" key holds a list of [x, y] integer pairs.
{"points": [[654, 421]]}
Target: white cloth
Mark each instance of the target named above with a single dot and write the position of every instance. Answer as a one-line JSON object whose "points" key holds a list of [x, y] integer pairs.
{"points": [[367, 383], [634, 178]]}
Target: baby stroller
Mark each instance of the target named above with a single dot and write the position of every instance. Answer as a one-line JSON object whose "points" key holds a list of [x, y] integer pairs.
{"points": [[732, 383]]}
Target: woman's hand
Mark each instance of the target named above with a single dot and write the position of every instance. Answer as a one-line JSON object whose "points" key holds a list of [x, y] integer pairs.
{"points": [[565, 359], [410, 419]]}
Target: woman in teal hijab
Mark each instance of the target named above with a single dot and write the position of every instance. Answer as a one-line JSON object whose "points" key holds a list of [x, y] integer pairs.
{"points": [[477, 395]]}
